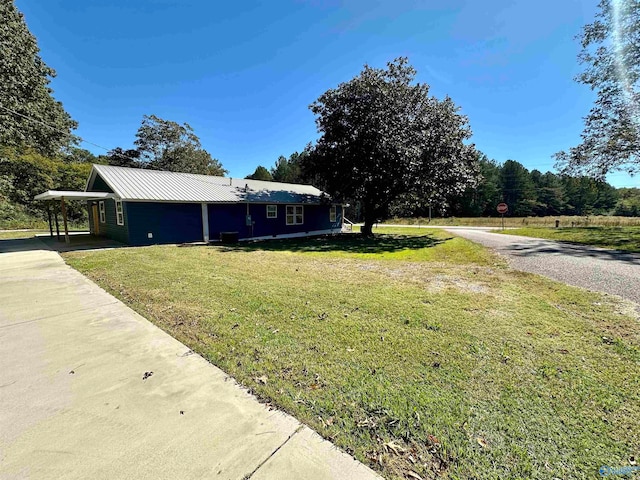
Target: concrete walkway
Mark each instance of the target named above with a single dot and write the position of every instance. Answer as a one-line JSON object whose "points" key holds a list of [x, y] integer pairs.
{"points": [[90, 389]]}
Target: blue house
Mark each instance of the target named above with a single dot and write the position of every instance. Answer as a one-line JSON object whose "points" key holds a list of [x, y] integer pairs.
{"points": [[144, 207]]}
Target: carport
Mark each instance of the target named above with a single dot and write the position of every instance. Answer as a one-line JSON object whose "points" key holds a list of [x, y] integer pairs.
{"points": [[53, 195]]}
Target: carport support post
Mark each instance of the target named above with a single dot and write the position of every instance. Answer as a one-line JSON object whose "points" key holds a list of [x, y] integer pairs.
{"points": [[49, 217], [63, 207], [55, 216]]}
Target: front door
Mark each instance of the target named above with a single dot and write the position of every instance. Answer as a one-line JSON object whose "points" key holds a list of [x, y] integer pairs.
{"points": [[96, 220]]}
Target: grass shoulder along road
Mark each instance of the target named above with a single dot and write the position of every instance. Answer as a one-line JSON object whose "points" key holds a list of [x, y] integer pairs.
{"points": [[420, 353], [617, 238], [496, 221], [18, 234]]}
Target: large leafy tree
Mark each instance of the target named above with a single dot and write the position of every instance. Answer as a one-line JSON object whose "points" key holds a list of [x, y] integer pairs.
{"points": [[611, 56], [74, 154], [167, 145], [29, 115], [384, 139], [119, 157], [25, 173]]}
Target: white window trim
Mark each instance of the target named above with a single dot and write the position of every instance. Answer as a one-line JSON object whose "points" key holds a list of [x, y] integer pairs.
{"points": [[295, 214], [333, 213], [275, 212], [120, 214], [102, 212]]}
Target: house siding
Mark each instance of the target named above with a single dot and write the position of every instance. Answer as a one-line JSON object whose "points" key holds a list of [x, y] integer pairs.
{"points": [[110, 228], [227, 218], [99, 185], [182, 222], [168, 222], [232, 218]]}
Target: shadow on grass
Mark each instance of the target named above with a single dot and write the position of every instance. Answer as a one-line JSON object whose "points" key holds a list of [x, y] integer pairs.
{"points": [[351, 243]]}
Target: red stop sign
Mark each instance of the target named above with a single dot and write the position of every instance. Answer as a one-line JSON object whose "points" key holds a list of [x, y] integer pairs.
{"points": [[502, 208]]}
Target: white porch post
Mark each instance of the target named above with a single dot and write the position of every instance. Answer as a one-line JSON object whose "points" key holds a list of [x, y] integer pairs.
{"points": [[205, 222]]}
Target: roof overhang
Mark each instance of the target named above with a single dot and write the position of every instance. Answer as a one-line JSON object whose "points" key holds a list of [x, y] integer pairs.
{"points": [[69, 195]]}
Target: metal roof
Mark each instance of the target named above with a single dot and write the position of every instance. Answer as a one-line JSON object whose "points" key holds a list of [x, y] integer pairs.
{"points": [[69, 195], [137, 184]]}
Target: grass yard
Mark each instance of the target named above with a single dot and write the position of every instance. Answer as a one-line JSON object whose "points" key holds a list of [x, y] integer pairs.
{"points": [[15, 234], [18, 234], [618, 238], [420, 353]]}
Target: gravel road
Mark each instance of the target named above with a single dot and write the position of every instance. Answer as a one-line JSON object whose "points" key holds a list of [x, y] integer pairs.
{"points": [[593, 268]]}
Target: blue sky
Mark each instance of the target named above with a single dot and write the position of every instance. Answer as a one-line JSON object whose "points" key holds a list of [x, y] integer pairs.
{"points": [[242, 74]]}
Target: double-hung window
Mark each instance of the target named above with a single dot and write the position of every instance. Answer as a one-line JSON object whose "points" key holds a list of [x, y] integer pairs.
{"points": [[272, 211], [119, 213], [332, 213], [295, 215], [103, 216]]}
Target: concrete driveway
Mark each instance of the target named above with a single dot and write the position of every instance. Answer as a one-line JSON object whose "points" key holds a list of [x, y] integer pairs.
{"points": [[90, 389]]}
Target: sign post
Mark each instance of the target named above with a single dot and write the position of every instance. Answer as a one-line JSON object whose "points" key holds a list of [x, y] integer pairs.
{"points": [[502, 208]]}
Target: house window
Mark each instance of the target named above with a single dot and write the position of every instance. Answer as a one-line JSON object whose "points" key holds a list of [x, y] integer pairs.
{"points": [[103, 216], [294, 215], [272, 211], [119, 213], [332, 213]]}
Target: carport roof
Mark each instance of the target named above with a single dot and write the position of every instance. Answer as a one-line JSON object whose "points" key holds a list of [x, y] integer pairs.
{"points": [[69, 195]]}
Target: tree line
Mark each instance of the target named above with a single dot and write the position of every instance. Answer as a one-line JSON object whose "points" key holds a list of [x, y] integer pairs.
{"points": [[533, 193]]}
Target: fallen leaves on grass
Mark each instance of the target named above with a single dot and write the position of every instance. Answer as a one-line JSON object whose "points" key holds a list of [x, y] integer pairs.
{"points": [[397, 449]]}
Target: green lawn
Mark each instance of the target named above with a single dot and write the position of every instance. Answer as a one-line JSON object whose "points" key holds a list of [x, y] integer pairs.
{"points": [[618, 238], [17, 234], [418, 352], [14, 234]]}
